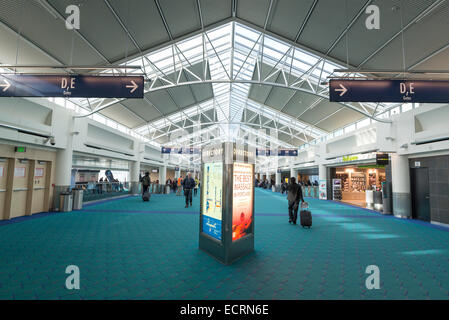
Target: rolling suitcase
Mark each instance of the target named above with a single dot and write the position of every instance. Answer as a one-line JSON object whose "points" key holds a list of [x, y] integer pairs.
{"points": [[305, 216], [146, 196]]}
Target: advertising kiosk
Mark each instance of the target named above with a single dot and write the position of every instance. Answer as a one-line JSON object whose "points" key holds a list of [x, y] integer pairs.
{"points": [[227, 202]]}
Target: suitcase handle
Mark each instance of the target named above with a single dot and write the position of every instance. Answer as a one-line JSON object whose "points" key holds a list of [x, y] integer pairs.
{"points": [[304, 205]]}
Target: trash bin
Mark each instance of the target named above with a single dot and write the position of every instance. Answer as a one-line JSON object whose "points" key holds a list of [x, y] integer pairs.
{"points": [[65, 202], [387, 198], [273, 188], [167, 189], [77, 199], [378, 201]]}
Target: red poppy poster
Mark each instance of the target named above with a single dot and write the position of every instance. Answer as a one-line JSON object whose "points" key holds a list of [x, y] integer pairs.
{"points": [[242, 201]]}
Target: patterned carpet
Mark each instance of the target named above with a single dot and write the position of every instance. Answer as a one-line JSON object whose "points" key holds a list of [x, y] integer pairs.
{"points": [[127, 249]]}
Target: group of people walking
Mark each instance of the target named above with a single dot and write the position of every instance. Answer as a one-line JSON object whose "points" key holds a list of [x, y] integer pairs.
{"points": [[188, 184], [191, 185]]}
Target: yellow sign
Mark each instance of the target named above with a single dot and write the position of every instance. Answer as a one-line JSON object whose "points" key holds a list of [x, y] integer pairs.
{"points": [[350, 158]]}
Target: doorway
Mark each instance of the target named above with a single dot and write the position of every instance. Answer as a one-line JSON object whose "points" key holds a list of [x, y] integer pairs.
{"points": [[419, 178]]}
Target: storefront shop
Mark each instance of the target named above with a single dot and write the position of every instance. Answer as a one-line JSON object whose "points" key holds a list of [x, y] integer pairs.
{"points": [[359, 180]]}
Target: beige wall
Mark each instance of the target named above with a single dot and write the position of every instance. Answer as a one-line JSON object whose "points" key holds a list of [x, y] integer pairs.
{"points": [[25, 187], [154, 176], [170, 174]]}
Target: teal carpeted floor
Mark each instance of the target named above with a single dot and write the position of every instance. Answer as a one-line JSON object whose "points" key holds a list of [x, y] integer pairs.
{"points": [[127, 249]]}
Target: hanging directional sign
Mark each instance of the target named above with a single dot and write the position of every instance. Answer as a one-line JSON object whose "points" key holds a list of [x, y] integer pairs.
{"points": [[181, 150], [71, 86], [280, 152], [402, 91]]}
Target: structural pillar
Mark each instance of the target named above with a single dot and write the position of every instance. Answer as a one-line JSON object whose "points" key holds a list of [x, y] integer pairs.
{"points": [[63, 170], [278, 178], [278, 181], [162, 174], [322, 175], [293, 173], [402, 199], [134, 177]]}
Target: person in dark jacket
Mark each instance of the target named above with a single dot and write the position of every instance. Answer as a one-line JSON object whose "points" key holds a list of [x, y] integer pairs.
{"points": [[283, 187], [188, 184], [146, 181], [294, 196]]}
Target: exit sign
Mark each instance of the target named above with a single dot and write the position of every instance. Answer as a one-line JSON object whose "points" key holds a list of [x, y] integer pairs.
{"points": [[20, 149]]}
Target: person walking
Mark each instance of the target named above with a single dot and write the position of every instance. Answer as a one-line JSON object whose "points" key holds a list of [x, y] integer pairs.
{"points": [[146, 181], [188, 185], [179, 186], [294, 196]]}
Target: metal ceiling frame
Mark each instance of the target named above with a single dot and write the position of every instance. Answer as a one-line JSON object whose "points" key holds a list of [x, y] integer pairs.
{"points": [[229, 78], [233, 80]]}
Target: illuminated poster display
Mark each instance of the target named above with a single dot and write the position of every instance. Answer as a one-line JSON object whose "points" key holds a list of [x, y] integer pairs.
{"points": [[323, 190], [242, 200], [211, 208]]}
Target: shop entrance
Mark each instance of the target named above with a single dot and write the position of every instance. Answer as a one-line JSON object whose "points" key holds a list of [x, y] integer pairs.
{"points": [[419, 178], [354, 181]]}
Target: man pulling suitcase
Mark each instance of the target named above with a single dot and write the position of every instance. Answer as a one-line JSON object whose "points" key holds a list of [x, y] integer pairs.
{"points": [[146, 181], [294, 196]]}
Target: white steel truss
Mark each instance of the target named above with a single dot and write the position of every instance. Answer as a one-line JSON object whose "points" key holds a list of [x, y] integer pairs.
{"points": [[233, 54]]}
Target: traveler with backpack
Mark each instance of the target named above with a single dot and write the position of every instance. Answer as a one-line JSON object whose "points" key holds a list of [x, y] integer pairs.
{"points": [[146, 181], [188, 185], [294, 196]]}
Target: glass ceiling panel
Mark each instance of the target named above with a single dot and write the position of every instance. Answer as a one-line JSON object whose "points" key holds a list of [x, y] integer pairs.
{"points": [[230, 99]]}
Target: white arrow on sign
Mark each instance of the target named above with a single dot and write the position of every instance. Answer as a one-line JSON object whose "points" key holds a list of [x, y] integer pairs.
{"points": [[343, 90], [134, 86], [6, 85]]}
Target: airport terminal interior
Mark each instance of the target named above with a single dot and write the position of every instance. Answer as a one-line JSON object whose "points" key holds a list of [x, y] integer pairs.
{"points": [[224, 149]]}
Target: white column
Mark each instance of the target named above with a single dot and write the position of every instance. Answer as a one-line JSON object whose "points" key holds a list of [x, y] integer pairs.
{"points": [[63, 170], [278, 178], [162, 174], [400, 174], [322, 174], [294, 174], [63, 165], [177, 174], [134, 177]]}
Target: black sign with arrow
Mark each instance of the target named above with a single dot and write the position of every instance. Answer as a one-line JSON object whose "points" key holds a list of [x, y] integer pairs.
{"points": [[71, 86], [402, 91]]}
